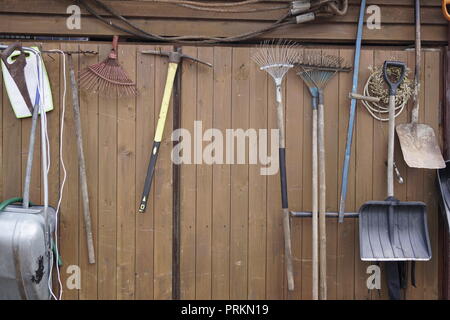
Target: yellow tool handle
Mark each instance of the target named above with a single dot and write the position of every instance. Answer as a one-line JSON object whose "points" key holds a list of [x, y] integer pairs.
{"points": [[172, 70], [444, 9]]}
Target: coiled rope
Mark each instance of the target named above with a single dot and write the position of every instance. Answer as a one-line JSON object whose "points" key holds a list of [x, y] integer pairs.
{"points": [[375, 87]]}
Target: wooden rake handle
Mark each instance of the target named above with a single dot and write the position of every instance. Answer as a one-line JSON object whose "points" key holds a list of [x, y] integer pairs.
{"points": [[284, 196], [81, 163]]}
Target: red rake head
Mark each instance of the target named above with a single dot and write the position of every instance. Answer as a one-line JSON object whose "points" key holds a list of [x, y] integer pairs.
{"points": [[108, 76]]}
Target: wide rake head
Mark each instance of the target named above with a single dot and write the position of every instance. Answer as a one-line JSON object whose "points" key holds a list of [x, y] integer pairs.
{"points": [[108, 76], [318, 69], [277, 58]]}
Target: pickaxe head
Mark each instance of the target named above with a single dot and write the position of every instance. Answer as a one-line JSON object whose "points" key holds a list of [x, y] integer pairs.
{"points": [[175, 56]]}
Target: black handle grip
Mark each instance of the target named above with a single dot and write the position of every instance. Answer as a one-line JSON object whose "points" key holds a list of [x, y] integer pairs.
{"points": [[149, 177], [283, 179], [394, 85]]}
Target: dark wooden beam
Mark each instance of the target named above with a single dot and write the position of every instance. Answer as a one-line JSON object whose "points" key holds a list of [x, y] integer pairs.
{"points": [[319, 32], [391, 13]]}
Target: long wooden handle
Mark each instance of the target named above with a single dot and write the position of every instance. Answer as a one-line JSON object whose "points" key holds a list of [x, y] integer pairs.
{"points": [[171, 72], [81, 164], [391, 141], [416, 96], [284, 197], [286, 221], [315, 211], [322, 204]]}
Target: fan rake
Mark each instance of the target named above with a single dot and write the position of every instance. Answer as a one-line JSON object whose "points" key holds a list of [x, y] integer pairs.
{"points": [[108, 76], [277, 59]]}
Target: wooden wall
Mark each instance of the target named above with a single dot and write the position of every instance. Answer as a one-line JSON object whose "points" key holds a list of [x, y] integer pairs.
{"points": [[48, 17], [231, 234]]}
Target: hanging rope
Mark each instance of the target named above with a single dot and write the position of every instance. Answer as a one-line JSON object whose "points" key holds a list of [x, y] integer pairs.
{"points": [[375, 87], [318, 7]]}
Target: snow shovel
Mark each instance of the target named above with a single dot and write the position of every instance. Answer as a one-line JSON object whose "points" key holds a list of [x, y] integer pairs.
{"points": [[393, 230], [419, 144], [444, 186]]}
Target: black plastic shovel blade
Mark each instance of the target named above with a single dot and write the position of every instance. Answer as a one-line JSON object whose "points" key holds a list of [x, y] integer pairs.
{"points": [[444, 186], [394, 231]]}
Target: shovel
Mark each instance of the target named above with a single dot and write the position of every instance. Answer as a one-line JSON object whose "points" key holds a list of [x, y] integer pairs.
{"points": [[393, 230], [418, 142]]}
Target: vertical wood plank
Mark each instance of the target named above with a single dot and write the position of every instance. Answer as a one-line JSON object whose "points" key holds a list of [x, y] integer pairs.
{"points": [[239, 178], [331, 114], [126, 166], [221, 177], [365, 135], [414, 177], [205, 98], [89, 123], [107, 193], [431, 107], [188, 178], [346, 237], [257, 186], [12, 149], [53, 66], [70, 209], [380, 156], [145, 129], [163, 194]]}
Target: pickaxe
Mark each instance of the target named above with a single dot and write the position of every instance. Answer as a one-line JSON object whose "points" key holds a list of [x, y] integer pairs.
{"points": [[175, 58]]}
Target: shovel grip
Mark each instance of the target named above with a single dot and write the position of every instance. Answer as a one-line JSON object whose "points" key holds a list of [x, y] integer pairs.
{"points": [[393, 85]]}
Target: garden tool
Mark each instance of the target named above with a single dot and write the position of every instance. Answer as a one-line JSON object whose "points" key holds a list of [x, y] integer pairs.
{"points": [[351, 119], [81, 162], [418, 142], [174, 60], [318, 70], [393, 230], [276, 60], [315, 182], [108, 76]]}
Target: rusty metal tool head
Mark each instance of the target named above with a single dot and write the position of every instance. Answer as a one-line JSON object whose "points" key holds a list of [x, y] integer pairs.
{"points": [[108, 76], [16, 68], [174, 56]]}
